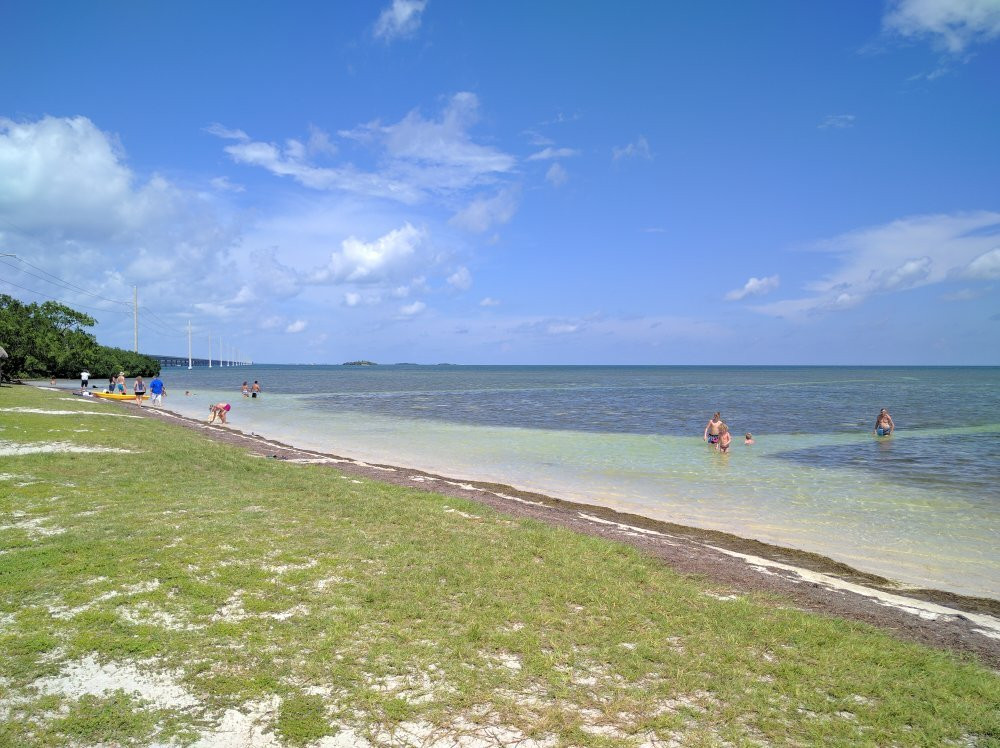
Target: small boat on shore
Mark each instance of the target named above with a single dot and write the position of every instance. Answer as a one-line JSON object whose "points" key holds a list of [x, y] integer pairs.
{"points": [[117, 396]]}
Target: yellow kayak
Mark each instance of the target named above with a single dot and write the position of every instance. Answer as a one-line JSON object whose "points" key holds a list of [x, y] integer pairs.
{"points": [[117, 396]]}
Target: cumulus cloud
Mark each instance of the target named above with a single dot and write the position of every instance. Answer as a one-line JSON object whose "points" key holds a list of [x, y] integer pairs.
{"points": [[485, 212], [754, 287], [901, 255], [352, 299], [837, 122], [556, 175], [412, 309], [636, 149], [402, 18], [984, 267], [950, 25], [369, 262], [488, 301], [297, 326], [460, 279], [68, 198]]}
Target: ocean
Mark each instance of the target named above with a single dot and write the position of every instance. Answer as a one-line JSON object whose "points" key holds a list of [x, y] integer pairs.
{"points": [[921, 507]]}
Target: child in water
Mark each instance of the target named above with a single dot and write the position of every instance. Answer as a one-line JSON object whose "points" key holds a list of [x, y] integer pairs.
{"points": [[748, 439], [725, 438]]}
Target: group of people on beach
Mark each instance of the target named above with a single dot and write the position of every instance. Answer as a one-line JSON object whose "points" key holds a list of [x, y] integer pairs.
{"points": [[220, 411], [717, 432], [116, 385]]}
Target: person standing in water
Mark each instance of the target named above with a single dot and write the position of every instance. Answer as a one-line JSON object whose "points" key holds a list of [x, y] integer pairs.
{"points": [[883, 423], [255, 390], [725, 439], [712, 429]]}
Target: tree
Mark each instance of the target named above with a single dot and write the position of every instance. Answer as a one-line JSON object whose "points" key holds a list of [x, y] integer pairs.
{"points": [[50, 339]]}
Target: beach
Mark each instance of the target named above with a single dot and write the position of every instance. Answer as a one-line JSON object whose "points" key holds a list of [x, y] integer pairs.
{"points": [[166, 580], [934, 617], [919, 508]]}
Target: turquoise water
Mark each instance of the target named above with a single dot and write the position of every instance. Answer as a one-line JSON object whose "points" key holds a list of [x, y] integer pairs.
{"points": [[921, 507]]}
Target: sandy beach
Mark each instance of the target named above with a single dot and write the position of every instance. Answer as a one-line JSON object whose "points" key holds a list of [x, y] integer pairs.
{"points": [[808, 581]]}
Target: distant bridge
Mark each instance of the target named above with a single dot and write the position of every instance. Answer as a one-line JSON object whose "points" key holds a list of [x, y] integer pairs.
{"points": [[172, 361]]}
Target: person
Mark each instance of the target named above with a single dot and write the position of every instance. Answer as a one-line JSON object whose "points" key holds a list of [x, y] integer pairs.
{"points": [[883, 423], [255, 390], [120, 383], [84, 379], [748, 439], [139, 388], [711, 434], [725, 439], [158, 390], [246, 389], [220, 410], [111, 384], [52, 379]]}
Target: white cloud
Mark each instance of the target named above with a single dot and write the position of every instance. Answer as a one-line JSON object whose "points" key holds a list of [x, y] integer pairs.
{"points": [[837, 122], [418, 157], [485, 212], [352, 299], [68, 199], [222, 184], [488, 301], [984, 267], [901, 255], [951, 25], [550, 153], [297, 326], [636, 149], [370, 262], [460, 279], [400, 19], [221, 131], [270, 323], [561, 328], [556, 175], [412, 309], [754, 287]]}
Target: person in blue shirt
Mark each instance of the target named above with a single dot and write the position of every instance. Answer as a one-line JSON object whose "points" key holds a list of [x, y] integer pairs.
{"points": [[158, 390]]}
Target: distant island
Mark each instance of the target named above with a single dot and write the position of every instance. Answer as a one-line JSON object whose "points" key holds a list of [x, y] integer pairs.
{"points": [[359, 363]]}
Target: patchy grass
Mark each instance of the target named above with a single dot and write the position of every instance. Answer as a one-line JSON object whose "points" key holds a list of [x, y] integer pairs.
{"points": [[184, 591]]}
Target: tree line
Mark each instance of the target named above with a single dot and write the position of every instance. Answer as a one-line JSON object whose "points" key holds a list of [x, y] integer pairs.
{"points": [[51, 340]]}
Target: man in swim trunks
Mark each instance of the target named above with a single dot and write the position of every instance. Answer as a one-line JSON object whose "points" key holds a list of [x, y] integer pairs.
{"points": [[712, 429], [883, 423]]}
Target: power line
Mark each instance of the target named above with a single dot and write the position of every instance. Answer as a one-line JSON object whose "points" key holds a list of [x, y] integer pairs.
{"points": [[53, 298], [65, 284]]}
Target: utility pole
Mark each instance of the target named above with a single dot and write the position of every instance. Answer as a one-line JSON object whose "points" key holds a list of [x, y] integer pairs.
{"points": [[210, 350], [135, 317]]}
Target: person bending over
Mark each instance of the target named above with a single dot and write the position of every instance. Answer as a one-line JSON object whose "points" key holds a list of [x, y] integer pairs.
{"points": [[219, 410]]}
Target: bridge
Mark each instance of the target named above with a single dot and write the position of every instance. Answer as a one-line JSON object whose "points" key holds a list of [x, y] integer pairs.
{"points": [[173, 361]]}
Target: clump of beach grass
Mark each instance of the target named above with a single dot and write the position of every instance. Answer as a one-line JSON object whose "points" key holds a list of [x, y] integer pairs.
{"points": [[180, 591]]}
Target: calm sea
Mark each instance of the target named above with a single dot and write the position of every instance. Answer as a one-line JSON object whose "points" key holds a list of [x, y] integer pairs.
{"points": [[922, 507]]}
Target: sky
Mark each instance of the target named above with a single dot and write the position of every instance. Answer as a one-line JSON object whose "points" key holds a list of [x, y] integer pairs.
{"points": [[434, 181]]}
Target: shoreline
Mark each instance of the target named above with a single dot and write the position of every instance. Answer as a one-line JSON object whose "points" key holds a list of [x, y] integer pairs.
{"points": [[962, 624]]}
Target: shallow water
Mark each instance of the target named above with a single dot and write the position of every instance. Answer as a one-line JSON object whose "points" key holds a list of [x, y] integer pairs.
{"points": [[921, 507]]}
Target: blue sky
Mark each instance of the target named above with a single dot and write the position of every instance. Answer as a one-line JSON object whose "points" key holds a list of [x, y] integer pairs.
{"points": [[645, 183]]}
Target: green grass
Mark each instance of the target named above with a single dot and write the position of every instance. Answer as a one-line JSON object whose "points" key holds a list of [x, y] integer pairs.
{"points": [[324, 606]]}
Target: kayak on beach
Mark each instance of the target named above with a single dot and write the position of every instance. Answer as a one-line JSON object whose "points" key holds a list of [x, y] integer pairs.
{"points": [[116, 396]]}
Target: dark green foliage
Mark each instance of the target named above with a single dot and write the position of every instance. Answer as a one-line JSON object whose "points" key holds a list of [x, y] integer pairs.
{"points": [[50, 339]]}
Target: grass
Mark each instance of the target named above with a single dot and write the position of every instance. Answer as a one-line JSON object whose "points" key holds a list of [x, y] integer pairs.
{"points": [[188, 584]]}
